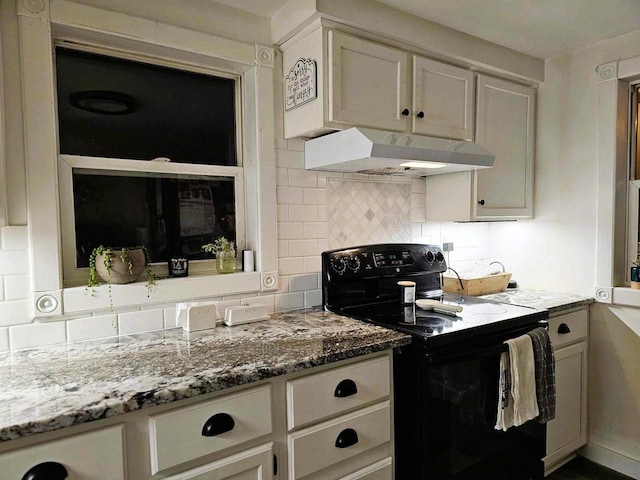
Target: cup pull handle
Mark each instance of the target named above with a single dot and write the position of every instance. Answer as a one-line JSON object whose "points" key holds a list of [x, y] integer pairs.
{"points": [[564, 328], [347, 438], [218, 424], [346, 388], [46, 471]]}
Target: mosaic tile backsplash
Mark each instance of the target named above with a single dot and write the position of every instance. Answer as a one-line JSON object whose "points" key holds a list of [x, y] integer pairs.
{"points": [[359, 213]]}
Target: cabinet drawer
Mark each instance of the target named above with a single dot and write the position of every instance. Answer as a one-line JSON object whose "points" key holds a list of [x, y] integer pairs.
{"points": [[178, 436], [333, 392], [96, 455], [574, 325], [328, 443], [382, 470], [254, 464]]}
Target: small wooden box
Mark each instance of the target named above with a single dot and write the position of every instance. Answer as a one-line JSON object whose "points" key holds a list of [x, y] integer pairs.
{"points": [[477, 286]]}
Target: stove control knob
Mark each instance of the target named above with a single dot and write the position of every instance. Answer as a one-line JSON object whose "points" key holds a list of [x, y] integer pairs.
{"points": [[430, 256], [354, 263], [439, 257], [339, 265]]}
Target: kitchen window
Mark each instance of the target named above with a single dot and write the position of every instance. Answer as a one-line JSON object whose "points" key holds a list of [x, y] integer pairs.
{"points": [[148, 156]]}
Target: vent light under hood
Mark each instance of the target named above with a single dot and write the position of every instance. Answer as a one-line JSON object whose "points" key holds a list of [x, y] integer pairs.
{"points": [[376, 152]]}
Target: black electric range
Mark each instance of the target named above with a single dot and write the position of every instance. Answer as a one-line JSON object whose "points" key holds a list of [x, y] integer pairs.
{"points": [[445, 382]]}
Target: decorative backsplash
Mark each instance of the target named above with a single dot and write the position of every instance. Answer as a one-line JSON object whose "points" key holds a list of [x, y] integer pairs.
{"points": [[359, 213]]}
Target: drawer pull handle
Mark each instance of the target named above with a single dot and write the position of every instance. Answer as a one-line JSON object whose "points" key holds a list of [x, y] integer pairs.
{"points": [[346, 388], [218, 424], [347, 438], [46, 471], [564, 328]]}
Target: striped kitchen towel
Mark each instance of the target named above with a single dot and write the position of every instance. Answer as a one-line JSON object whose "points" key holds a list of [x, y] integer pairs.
{"points": [[545, 374]]}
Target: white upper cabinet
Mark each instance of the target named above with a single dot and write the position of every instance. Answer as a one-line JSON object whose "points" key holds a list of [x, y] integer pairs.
{"points": [[367, 83], [505, 119], [505, 127], [442, 100]]}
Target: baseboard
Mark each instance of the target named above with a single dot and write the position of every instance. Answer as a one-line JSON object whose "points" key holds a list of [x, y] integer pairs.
{"points": [[610, 459]]}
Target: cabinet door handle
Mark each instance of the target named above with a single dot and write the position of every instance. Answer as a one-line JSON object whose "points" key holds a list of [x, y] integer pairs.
{"points": [[346, 388], [420, 115], [564, 328], [218, 424], [347, 438], [481, 202], [405, 112], [46, 471]]}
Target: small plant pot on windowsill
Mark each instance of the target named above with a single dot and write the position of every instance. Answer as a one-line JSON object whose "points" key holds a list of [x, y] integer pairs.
{"points": [[635, 277], [121, 265]]}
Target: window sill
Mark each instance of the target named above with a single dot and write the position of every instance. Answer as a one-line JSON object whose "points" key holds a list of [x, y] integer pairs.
{"points": [[626, 296], [81, 299]]}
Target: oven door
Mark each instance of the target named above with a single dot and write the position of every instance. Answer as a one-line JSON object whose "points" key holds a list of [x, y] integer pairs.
{"points": [[450, 430]]}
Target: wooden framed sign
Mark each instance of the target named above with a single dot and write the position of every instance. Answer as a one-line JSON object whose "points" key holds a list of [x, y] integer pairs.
{"points": [[300, 84]]}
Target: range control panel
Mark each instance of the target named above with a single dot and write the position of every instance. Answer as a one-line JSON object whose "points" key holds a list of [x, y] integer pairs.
{"points": [[370, 261]]}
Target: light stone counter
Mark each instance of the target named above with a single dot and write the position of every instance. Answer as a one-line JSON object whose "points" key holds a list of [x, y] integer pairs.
{"points": [[59, 386], [554, 302]]}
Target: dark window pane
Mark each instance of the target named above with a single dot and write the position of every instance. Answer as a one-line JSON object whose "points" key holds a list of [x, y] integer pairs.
{"points": [[170, 215], [139, 111]]}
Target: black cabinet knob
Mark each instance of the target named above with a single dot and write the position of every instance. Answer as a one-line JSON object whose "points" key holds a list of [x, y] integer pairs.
{"points": [[405, 112], [46, 471], [347, 438], [218, 424], [346, 388], [481, 202], [564, 328], [420, 115]]}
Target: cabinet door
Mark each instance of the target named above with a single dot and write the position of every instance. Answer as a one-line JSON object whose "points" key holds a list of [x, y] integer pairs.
{"points": [[254, 464], [96, 455], [442, 100], [505, 127], [367, 83], [567, 432]]}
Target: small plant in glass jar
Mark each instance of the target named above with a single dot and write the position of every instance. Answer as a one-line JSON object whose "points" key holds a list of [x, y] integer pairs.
{"points": [[225, 253]]}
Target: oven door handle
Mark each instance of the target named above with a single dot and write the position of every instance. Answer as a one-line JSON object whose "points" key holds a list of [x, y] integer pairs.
{"points": [[491, 348]]}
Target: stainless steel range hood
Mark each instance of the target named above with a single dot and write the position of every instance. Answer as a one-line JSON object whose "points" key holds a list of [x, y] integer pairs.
{"points": [[376, 152]]}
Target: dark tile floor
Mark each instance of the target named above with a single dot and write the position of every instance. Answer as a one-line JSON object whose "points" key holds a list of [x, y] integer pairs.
{"points": [[582, 469]]}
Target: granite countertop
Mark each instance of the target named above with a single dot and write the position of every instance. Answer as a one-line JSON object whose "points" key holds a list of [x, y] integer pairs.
{"points": [[59, 386], [540, 299]]}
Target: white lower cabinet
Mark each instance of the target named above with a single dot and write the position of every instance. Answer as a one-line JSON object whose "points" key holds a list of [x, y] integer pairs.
{"points": [[568, 431], [96, 455], [253, 464], [325, 423]]}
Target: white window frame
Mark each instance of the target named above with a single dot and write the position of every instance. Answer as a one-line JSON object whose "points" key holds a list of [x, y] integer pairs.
{"points": [[616, 193], [74, 276], [42, 25]]}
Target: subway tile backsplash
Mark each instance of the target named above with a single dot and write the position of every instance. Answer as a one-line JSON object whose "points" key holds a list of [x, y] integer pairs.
{"points": [[317, 211]]}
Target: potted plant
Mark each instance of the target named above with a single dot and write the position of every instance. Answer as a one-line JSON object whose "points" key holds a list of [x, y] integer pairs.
{"points": [[225, 253], [119, 265], [635, 274]]}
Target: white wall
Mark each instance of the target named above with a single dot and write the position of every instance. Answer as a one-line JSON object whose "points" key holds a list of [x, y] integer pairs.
{"points": [[557, 250]]}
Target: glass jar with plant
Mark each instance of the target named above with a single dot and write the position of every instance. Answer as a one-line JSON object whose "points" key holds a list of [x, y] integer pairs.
{"points": [[119, 265], [225, 253]]}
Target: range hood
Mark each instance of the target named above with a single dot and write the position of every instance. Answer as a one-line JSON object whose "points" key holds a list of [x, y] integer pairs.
{"points": [[376, 152]]}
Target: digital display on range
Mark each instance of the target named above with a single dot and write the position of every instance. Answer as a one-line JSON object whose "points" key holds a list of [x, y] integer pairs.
{"points": [[393, 259]]}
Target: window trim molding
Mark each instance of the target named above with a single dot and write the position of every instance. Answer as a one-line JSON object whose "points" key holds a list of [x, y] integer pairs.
{"points": [[43, 24], [614, 190]]}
